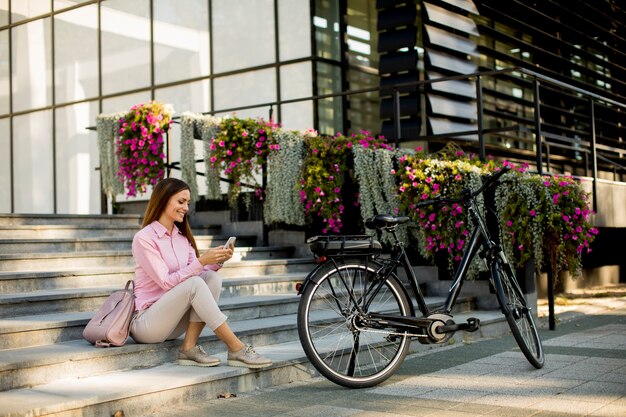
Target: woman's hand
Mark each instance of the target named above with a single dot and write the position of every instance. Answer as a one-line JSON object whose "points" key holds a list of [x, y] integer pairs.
{"points": [[217, 255]]}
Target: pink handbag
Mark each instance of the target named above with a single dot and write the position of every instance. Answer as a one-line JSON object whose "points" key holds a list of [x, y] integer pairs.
{"points": [[110, 326]]}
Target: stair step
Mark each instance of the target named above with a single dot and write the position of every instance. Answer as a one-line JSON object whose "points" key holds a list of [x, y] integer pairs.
{"points": [[20, 282], [55, 327], [86, 220], [77, 358], [123, 258], [147, 378], [103, 243], [63, 231]]}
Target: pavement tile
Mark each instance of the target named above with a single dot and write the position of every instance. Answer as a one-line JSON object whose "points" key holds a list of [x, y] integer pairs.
{"points": [[321, 411], [516, 401], [610, 410], [567, 406], [594, 391]]}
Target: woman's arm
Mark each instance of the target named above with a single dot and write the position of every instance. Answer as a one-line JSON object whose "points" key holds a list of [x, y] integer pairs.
{"points": [[149, 258]]}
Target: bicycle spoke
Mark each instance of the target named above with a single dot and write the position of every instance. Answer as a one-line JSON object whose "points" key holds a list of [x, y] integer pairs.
{"points": [[333, 330]]}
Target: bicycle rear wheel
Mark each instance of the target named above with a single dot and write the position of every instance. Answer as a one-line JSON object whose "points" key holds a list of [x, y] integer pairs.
{"points": [[333, 329], [518, 314]]}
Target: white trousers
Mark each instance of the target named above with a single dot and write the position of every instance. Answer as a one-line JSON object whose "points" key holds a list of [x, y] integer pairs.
{"points": [[193, 300]]}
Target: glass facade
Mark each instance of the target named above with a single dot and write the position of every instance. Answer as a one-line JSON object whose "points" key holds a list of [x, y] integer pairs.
{"points": [[63, 62]]}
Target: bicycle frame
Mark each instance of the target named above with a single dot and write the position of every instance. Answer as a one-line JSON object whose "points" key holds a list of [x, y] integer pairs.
{"points": [[480, 238]]}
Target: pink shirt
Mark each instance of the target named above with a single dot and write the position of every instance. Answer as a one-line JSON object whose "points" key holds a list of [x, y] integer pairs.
{"points": [[162, 261]]}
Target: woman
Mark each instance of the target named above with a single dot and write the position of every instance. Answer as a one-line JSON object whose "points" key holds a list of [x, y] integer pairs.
{"points": [[176, 288]]}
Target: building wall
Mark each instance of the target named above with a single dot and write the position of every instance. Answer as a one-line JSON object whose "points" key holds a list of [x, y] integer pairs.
{"points": [[63, 62]]}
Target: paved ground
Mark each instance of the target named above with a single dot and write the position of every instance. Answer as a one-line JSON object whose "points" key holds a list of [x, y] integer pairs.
{"points": [[584, 375]]}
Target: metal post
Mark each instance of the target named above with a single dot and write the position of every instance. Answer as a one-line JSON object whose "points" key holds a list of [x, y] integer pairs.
{"points": [[594, 159], [479, 114], [551, 320], [397, 128], [538, 127]]}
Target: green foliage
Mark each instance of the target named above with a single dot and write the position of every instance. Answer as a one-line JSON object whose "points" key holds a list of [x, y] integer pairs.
{"points": [[140, 146], [239, 150]]}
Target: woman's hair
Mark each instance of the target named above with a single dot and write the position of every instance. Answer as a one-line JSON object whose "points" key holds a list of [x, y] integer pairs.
{"points": [[161, 194]]}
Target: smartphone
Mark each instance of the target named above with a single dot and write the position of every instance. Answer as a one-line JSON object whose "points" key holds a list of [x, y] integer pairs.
{"points": [[231, 242]]}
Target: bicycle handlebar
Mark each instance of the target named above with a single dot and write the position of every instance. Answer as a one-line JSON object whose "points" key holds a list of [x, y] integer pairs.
{"points": [[466, 195]]}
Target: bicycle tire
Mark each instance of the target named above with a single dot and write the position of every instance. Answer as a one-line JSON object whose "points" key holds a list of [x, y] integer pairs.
{"points": [[328, 319], [518, 314]]}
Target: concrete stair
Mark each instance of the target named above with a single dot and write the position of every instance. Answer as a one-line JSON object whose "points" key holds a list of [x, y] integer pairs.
{"points": [[48, 292]]}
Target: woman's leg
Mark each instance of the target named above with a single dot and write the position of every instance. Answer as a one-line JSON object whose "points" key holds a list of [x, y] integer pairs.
{"points": [[194, 325], [160, 320]]}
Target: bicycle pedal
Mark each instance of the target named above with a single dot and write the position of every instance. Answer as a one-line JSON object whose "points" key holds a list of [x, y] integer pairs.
{"points": [[473, 324]]}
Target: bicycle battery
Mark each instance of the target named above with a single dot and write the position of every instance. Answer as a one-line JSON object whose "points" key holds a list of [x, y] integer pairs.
{"points": [[334, 245]]}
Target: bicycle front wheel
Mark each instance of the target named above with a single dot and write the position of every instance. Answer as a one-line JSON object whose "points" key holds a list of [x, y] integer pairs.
{"points": [[518, 314], [334, 326]]}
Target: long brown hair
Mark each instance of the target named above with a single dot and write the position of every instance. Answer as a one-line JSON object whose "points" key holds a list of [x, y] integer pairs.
{"points": [[161, 194]]}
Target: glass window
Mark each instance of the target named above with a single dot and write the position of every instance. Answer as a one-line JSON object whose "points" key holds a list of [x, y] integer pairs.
{"points": [[294, 25], [246, 89], [5, 166], [181, 40], [326, 22], [25, 9], [4, 12], [362, 34], [296, 81], [78, 183], [63, 4], [297, 116], [32, 65], [124, 103], [125, 45], [4, 72], [194, 97], [33, 188], [243, 34], [76, 54], [329, 110]]}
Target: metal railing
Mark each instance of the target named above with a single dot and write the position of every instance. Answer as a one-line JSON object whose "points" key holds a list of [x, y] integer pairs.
{"points": [[547, 142]]}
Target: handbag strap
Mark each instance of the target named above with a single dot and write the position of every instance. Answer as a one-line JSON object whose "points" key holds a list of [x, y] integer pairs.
{"points": [[130, 283]]}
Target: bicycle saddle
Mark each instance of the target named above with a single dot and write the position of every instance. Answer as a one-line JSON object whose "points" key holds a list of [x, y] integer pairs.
{"points": [[382, 221]]}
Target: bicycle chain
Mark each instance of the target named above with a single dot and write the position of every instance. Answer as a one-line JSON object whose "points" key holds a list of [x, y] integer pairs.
{"points": [[388, 333]]}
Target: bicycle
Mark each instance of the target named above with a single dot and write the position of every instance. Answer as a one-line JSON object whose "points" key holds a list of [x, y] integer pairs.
{"points": [[356, 319]]}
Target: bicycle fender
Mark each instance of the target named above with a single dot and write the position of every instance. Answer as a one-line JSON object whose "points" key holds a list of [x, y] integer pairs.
{"points": [[310, 275]]}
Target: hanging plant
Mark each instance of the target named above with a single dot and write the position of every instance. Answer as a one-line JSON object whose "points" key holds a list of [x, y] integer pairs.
{"points": [[189, 122], [374, 171], [442, 230], [323, 171], [239, 150], [283, 204], [140, 146], [546, 219], [107, 127], [209, 128]]}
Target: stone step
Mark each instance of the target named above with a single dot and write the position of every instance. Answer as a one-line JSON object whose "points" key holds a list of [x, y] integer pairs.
{"points": [[55, 327], [125, 380], [61, 300], [68, 231], [22, 282], [77, 358], [85, 220], [102, 243], [123, 258]]}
